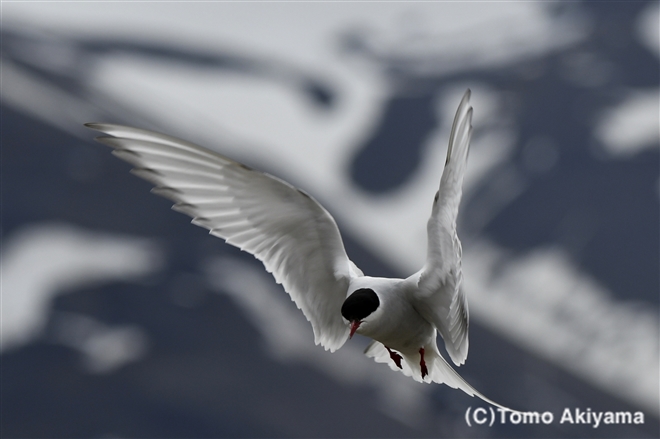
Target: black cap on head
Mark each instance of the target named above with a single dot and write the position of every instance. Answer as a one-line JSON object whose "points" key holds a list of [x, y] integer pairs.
{"points": [[360, 304]]}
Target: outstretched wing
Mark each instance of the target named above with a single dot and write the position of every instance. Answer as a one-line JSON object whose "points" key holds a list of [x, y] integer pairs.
{"points": [[440, 299], [290, 232]]}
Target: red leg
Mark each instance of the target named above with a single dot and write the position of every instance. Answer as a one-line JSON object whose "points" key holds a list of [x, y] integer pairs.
{"points": [[395, 357], [422, 363]]}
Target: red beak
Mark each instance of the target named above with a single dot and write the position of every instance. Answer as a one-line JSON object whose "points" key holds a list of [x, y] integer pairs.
{"points": [[354, 325]]}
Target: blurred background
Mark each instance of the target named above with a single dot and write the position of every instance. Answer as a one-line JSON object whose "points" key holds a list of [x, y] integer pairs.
{"points": [[120, 319]]}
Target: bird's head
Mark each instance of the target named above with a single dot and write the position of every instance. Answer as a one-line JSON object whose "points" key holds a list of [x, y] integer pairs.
{"points": [[358, 306]]}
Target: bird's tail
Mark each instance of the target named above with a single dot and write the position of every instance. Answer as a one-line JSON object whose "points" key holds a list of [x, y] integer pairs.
{"points": [[439, 371]]}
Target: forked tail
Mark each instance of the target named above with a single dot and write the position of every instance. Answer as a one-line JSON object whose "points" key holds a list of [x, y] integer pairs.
{"points": [[439, 371]]}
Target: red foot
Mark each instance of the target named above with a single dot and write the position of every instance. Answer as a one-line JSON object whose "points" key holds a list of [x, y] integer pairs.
{"points": [[422, 363], [395, 357]]}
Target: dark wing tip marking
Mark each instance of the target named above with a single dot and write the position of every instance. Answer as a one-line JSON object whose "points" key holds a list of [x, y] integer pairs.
{"points": [[183, 205], [185, 208], [117, 151], [141, 172], [165, 190], [108, 140], [303, 193]]}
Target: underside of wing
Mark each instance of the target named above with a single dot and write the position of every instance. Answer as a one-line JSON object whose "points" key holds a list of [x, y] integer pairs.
{"points": [[291, 233], [440, 299]]}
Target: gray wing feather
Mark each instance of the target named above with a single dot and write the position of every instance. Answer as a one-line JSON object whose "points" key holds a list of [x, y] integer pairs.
{"points": [[440, 298], [291, 233]]}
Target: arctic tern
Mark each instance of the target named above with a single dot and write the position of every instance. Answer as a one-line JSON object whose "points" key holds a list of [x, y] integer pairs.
{"points": [[299, 242]]}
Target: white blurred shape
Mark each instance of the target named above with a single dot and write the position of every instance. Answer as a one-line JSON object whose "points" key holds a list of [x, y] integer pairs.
{"points": [[289, 338], [104, 348], [32, 95], [445, 37], [632, 126], [544, 303], [648, 27], [263, 108], [43, 260]]}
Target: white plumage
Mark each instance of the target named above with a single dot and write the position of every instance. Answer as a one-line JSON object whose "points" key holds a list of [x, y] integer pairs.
{"points": [[299, 242]]}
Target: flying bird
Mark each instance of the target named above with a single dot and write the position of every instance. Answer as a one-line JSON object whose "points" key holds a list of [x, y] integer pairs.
{"points": [[299, 242]]}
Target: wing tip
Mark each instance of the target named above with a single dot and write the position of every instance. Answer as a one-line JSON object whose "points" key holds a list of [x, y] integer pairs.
{"points": [[144, 173], [101, 126], [170, 193], [185, 208], [108, 141]]}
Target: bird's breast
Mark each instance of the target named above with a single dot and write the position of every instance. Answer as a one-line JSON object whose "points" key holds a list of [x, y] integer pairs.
{"points": [[399, 326]]}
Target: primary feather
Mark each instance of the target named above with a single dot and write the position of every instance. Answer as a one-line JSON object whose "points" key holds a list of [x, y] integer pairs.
{"points": [[291, 233], [440, 298]]}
